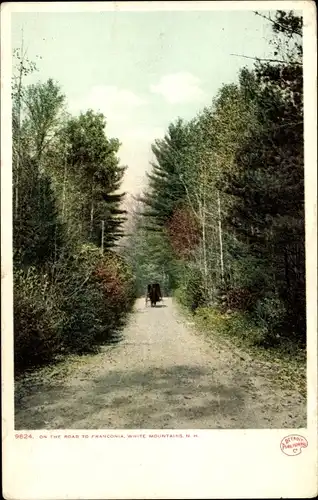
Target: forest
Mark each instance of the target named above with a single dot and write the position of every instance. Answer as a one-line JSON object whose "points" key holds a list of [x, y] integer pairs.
{"points": [[71, 289], [220, 224]]}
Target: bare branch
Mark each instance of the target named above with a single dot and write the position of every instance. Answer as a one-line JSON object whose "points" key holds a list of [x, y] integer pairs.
{"points": [[281, 61]]}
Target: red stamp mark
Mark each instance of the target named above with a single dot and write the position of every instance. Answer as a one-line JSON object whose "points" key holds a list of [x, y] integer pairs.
{"points": [[291, 445]]}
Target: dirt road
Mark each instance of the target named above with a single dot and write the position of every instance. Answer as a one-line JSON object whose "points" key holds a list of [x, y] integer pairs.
{"points": [[161, 376]]}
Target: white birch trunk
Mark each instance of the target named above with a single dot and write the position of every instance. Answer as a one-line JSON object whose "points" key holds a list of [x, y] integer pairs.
{"points": [[64, 185], [92, 213], [220, 237]]}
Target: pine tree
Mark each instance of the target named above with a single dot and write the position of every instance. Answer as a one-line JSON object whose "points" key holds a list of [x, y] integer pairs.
{"points": [[268, 182], [166, 190], [93, 168]]}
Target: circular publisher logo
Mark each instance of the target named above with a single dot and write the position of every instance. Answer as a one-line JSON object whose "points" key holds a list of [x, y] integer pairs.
{"points": [[292, 445]]}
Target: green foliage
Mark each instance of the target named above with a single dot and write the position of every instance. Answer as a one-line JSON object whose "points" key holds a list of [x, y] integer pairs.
{"points": [[38, 319], [43, 104], [74, 308], [191, 291], [97, 291], [150, 256], [166, 189], [38, 233], [270, 314], [221, 223], [70, 295], [237, 328], [237, 171], [267, 186], [92, 169], [236, 325]]}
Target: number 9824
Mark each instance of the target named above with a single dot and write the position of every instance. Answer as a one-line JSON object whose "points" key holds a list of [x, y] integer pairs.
{"points": [[23, 436]]}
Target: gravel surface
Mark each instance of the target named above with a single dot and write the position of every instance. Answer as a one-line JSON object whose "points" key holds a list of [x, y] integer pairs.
{"points": [[162, 375]]}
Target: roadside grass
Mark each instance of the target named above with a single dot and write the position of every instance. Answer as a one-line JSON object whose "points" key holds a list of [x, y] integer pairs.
{"points": [[284, 364]]}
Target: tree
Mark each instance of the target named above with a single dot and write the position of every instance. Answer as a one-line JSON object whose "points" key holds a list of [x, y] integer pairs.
{"points": [[149, 252], [37, 231], [268, 182], [69, 295], [166, 189], [91, 164], [38, 234], [43, 112], [21, 68]]}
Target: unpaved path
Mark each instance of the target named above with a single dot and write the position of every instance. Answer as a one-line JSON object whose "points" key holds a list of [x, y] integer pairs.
{"points": [[161, 376]]}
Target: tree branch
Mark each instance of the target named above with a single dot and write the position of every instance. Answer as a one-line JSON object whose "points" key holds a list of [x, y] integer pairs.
{"points": [[275, 22], [268, 60]]}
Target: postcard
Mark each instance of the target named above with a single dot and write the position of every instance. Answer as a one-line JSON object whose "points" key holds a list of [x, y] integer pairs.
{"points": [[159, 250]]}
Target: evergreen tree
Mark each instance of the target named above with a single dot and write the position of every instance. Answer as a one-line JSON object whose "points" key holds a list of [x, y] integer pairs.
{"points": [[93, 167], [165, 188], [268, 182]]}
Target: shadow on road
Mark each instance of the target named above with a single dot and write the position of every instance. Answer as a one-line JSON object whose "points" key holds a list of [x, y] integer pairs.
{"points": [[115, 339], [155, 398]]}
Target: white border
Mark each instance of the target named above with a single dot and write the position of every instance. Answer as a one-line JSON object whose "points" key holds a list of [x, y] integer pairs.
{"points": [[217, 464], [156, 6]]}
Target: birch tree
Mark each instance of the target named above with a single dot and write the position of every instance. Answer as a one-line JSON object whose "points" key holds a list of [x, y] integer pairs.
{"points": [[22, 67]]}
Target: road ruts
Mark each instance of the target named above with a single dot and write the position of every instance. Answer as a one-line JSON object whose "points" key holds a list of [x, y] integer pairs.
{"points": [[161, 376]]}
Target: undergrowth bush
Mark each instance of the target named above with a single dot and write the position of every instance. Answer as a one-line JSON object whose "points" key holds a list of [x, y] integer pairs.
{"points": [[270, 314], [190, 293], [234, 324], [81, 304], [239, 299], [116, 285], [38, 319], [180, 295]]}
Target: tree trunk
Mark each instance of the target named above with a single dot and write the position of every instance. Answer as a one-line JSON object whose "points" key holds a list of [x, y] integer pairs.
{"points": [[205, 264], [220, 238], [64, 185], [92, 214]]}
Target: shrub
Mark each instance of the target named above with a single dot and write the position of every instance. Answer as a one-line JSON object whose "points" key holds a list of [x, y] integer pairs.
{"points": [[81, 301], [241, 325], [38, 319], [116, 284], [239, 299], [180, 295], [73, 309], [235, 324], [98, 292], [82, 309], [190, 293], [270, 314]]}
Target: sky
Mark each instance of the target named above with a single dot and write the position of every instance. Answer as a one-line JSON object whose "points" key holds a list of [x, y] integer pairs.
{"points": [[142, 70]]}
